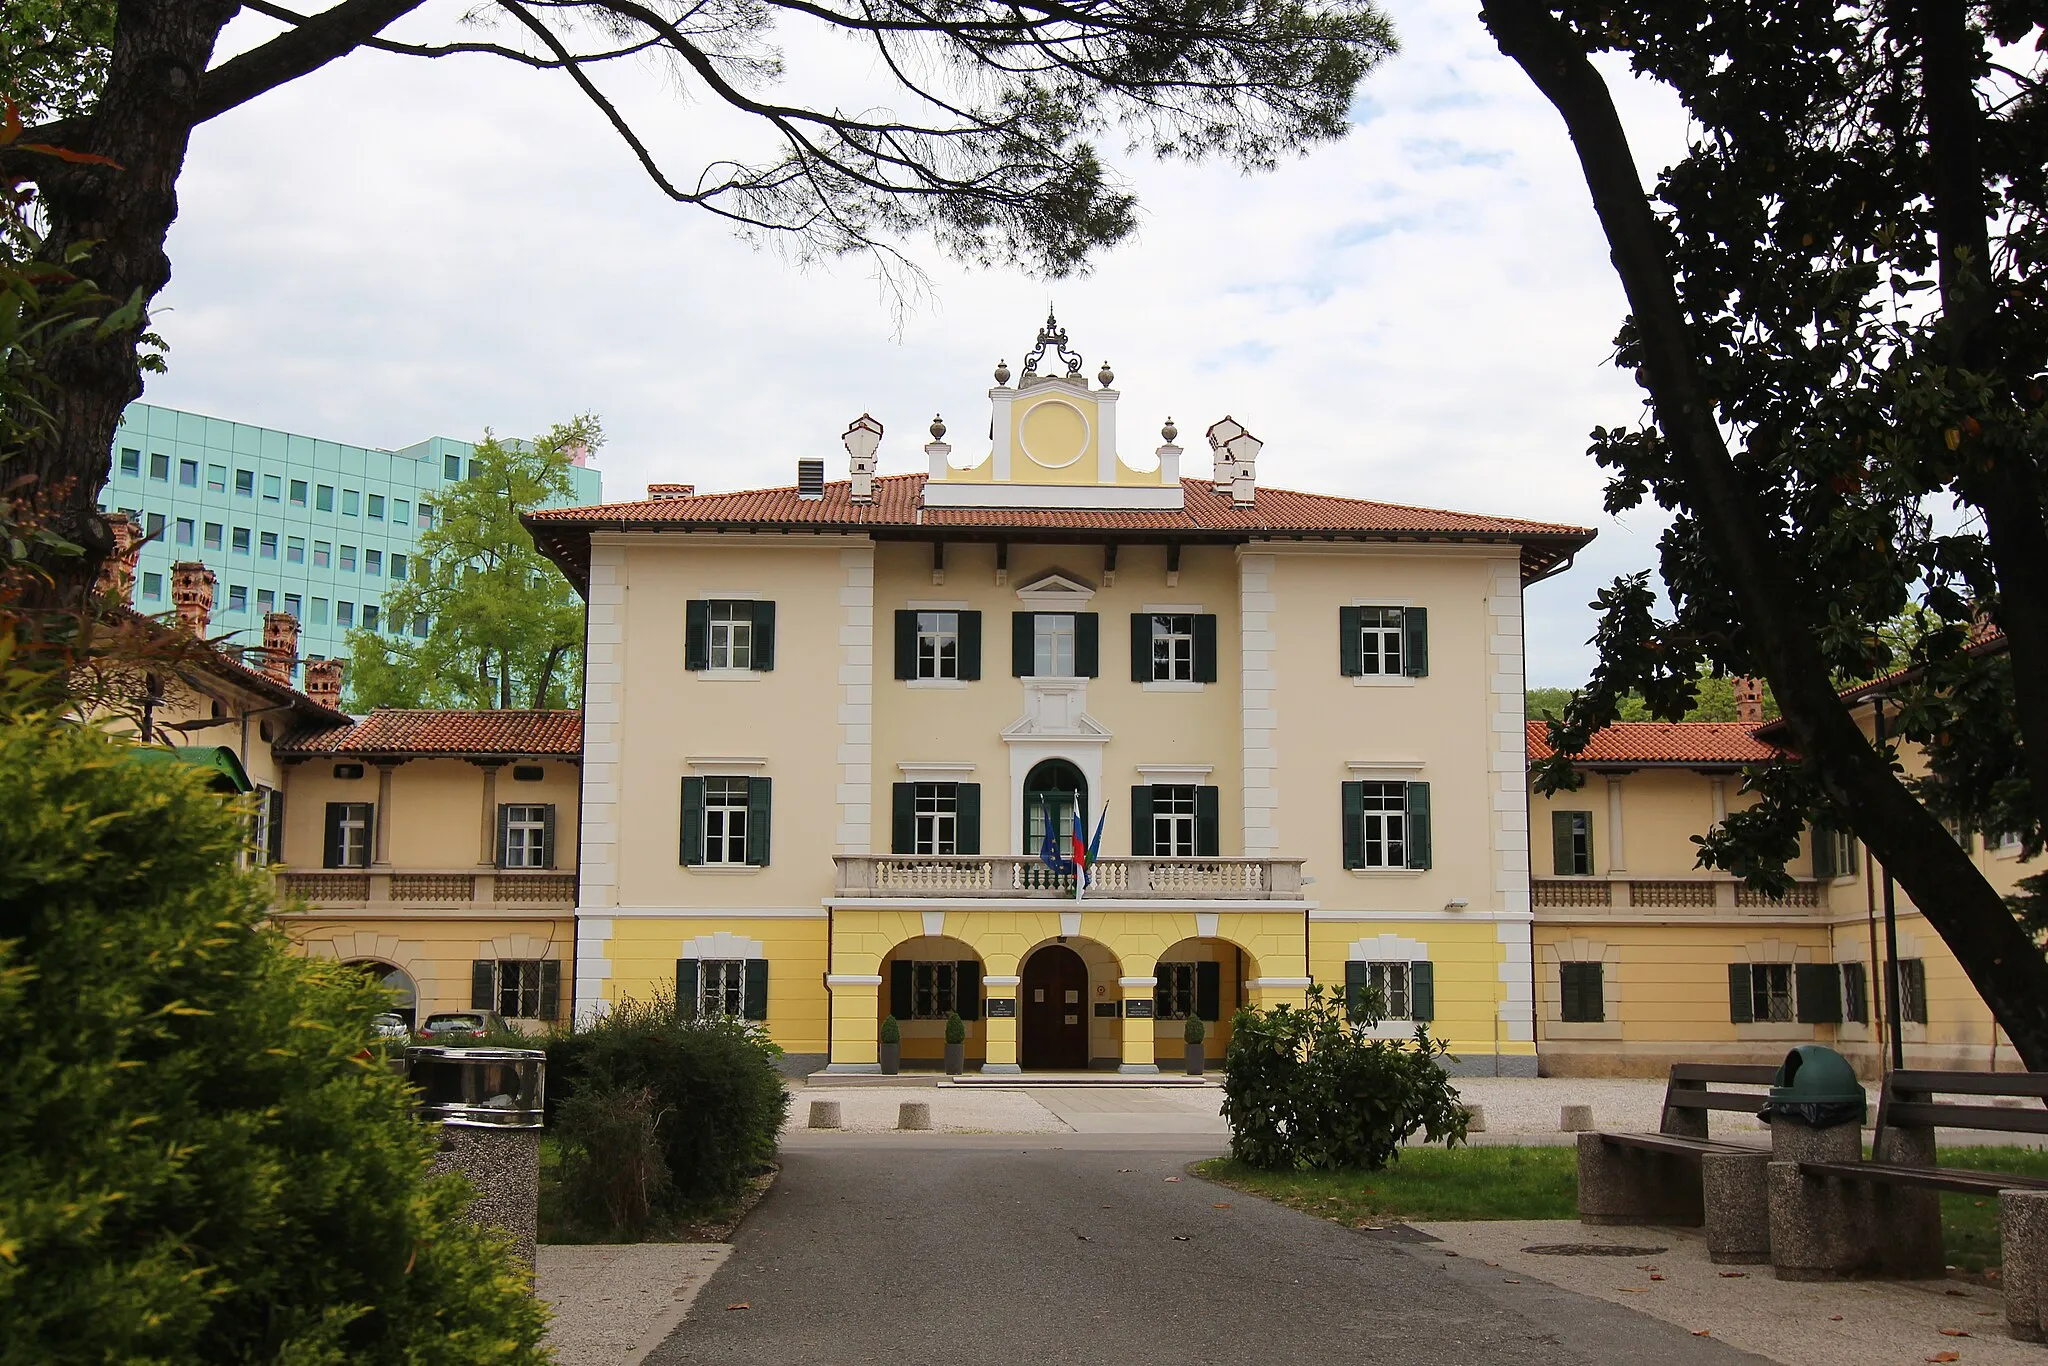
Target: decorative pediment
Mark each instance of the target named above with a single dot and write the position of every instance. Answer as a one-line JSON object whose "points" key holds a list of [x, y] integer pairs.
{"points": [[1056, 709], [1055, 590]]}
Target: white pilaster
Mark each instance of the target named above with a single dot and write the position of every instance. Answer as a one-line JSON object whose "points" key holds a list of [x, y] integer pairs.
{"points": [[604, 675], [856, 700], [1259, 756], [1510, 762], [1617, 856]]}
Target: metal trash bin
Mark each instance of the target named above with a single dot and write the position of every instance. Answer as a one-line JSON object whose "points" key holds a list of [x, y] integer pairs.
{"points": [[1816, 1086], [489, 1104]]}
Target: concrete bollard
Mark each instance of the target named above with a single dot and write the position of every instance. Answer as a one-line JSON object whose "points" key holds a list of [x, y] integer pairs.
{"points": [[1574, 1119], [914, 1114], [824, 1114], [1478, 1121]]}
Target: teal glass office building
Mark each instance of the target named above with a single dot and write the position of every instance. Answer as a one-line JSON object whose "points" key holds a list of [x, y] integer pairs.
{"points": [[287, 523]]}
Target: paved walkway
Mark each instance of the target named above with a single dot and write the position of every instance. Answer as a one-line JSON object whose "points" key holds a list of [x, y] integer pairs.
{"points": [[906, 1249]]}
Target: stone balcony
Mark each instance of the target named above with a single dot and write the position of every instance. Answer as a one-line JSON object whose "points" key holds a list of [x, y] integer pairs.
{"points": [[1694, 895], [971, 877], [376, 888]]}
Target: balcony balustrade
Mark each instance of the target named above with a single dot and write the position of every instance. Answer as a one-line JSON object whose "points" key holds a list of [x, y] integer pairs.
{"points": [[969, 877], [428, 887], [1694, 894]]}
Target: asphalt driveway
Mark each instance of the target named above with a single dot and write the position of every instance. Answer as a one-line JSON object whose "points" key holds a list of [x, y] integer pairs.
{"points": [[905, 1250]]}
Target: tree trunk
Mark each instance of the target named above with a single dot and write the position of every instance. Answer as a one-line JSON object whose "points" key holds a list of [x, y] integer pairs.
{"points": [[2003, 964], [547, 676]]}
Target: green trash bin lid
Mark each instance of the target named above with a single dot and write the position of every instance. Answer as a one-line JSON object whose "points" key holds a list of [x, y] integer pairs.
{"points": [[1813, 1074]]}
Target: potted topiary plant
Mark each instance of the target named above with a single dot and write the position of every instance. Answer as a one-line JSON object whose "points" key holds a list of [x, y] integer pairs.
{"points": [[956, 1044], [1193, 1034], [892, 1046]]}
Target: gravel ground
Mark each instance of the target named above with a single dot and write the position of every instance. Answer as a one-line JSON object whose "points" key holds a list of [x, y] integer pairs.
{"points": [[1530, 1105], [956, 1110]]}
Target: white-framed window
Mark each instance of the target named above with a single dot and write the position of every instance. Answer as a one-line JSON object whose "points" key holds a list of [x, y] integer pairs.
{"points": [[1173, 820], [1380, 640], [722, 982], [732, 635], [1174, 996], [1052, 645], [1384, 839], [519, 988], [935, 807], [1173, 647], [934, 990], [526, 837], [725, 821], [1770, 993], [938, 645], [348, 838], [1392, 982]]}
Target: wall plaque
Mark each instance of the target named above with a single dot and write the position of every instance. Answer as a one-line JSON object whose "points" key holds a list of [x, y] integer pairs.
{"points": [[1001, 1008], [1137, 1010], [1106, 1009]]}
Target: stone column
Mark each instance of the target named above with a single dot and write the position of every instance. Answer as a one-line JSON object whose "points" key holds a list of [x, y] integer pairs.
{"points": [[487, 850], [856, 1022], [1000, 1031], [1138, 1055], [1616, 859], [1267, 992], [380, 849]]}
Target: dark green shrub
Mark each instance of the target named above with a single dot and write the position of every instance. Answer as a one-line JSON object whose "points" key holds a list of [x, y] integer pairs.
{"points": [[891, 1031], [614, 1174], [715, 1091], [204, 1159], [956, 1028], [1194, 1031], [1308, 1088]]}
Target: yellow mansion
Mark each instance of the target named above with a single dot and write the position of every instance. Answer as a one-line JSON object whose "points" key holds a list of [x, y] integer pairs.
{"points": [[841, 738]]}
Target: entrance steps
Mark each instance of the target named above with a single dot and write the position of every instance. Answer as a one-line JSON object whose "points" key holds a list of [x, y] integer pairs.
{"points": [[1012, 1081]]}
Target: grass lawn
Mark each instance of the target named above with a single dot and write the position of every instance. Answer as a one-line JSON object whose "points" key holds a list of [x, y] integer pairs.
{"points": [[1542, 1183]]}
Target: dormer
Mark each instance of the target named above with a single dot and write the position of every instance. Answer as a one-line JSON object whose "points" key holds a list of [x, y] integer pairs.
{"points": [[1053, 443]]}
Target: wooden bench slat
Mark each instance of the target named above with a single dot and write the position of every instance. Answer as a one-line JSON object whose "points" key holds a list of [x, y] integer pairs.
{"points": [[1755, 1074], [1956, 1179], [1677, 1143], [1714, 1100], [1920, 1114], [1972, 1083]]}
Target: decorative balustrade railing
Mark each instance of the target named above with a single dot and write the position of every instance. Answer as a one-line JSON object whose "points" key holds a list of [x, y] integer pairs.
{"points": [[995, 876], [429, 888], [1622, 892]]}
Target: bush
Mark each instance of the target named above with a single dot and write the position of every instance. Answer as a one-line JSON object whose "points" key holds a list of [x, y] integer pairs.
{"points": [[206, 1161], [1308, 1088], [956, 1028], [614, 1174], [714, 1095], [891, 1031], [1194, 1031]]}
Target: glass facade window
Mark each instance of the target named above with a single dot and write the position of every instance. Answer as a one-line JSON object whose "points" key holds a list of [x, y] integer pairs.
{"points": [[273, 488], [238, 597], [373, 562], [348, 558], [155, 525], [322, 553], [159, 466], [239, 541], [401, 511], [295, 550], [319, 617], [298, 493], [426, 514], [216, 478], [266, 545], [323, 498], [369, 616], [420, 627], [266, 600], [245, 483], [376, 507], [212, 536], [397, 566], [188, 474], [293, 604], [131, 462], [152, 586], [451, 467], [351, 502], [183, 531], [345, 613]]}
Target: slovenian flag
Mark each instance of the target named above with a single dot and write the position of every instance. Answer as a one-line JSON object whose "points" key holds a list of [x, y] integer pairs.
{"points": [[1049, 848], [1085, 855]]}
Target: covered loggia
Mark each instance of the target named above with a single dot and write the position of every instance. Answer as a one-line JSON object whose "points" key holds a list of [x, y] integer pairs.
{"points": [[925, 979], [1201, 977]]}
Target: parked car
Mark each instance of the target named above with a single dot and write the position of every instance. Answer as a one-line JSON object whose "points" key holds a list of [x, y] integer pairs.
{"points": [[391, 1028], [462, 1026]]}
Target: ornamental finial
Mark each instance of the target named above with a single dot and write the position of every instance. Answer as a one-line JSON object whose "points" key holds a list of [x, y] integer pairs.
{"points": [[1170, 432], [1105, 376], [938, 428], [1002, 372]]}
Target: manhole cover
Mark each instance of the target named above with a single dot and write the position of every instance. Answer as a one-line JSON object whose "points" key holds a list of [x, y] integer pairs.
{"points": [[1592, 1250]]}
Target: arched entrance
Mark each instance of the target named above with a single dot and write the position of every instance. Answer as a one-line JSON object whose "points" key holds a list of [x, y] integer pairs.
{"points": [[404, 996], [1055, 794], [1054, 1010], [924, 980]]}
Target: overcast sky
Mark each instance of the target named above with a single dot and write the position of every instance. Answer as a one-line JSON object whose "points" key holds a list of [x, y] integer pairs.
{"points": [[394, 249]]}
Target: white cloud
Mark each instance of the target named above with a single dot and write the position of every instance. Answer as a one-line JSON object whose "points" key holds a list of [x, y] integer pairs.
{"points": [[391, 249]]}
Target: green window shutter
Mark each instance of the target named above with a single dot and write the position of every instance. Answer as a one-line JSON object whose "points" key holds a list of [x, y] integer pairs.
{"points": [[760, 792], [901, 999], [276, 850], [1422, 991], [483, 985], [1740, 1008], [696, 634], [764, 637], [1350, 642], [967, 989], [906, 644], [550, 989], [1021, 640], [504, 831], [1209, 991], [1913, 972], [1561, 843], [1141, 821], [903, 818], [686, 987], [1088, 644], [547, 836], [1581, 998], [1823, 842], [970, 646], [967, 818], [1354, 825], [754, 1005], [1208, 822], [1357, 983], [1141, 647], [693, 821], [1418, 825], [1819, 992], [331, 858], [1415, 641], [1205, 648], [1849, 847]]}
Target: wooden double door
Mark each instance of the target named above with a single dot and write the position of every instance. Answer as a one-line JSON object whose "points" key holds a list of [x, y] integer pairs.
{"points": [[1052, 1024]]}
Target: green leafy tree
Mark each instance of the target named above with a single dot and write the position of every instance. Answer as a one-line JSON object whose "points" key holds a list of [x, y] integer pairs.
{"points": [[1838, 307], [977, 130], [205, 1163], [504, 629]]}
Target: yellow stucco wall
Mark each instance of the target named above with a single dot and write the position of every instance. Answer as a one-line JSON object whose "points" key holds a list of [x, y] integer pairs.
{"points": [[435, 948]]}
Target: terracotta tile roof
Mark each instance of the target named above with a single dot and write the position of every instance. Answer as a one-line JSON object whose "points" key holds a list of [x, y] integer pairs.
{"points": [[1666, 742], [390, 730], [563, 534], [224, 666]]}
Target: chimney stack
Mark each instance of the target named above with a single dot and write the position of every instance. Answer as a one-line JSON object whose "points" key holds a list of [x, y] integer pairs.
{"points": [[117, 571], [323, 682], [280, 645], [659, 493], [862, 439], [810, 479], [1749, 701], [192, 593], [1237, 460]]}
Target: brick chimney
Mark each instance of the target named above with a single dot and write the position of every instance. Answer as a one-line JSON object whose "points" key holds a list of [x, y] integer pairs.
{"points": [[192, 593], [280, 645], [117, 571], [1749, 701], [662, 492], [323, 682]]}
